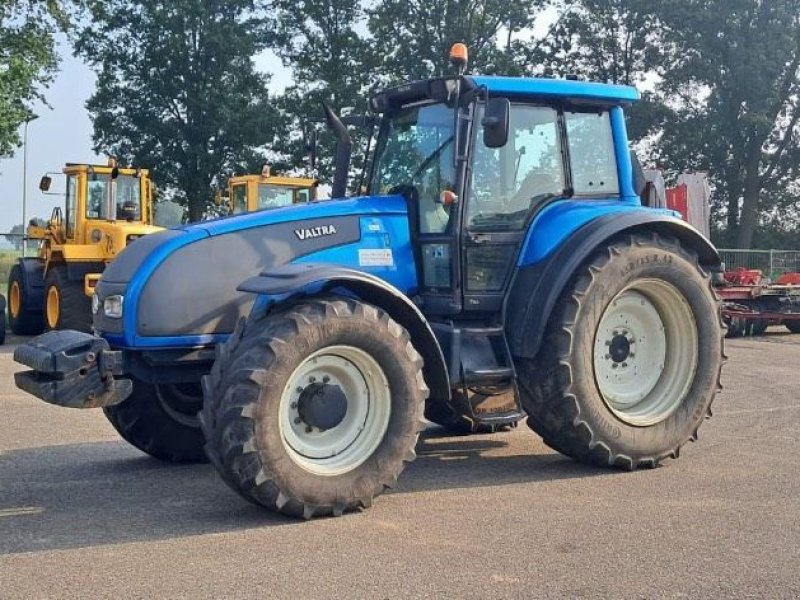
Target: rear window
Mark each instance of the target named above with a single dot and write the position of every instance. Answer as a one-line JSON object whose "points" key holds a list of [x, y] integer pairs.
{"points": [[591, 151]]}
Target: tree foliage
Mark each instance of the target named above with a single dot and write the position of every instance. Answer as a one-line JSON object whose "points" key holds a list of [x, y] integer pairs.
{"points": [[28, 61], [177, 90]]}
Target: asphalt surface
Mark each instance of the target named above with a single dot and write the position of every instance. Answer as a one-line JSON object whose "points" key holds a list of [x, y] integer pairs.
{"points": [[82, 514]]}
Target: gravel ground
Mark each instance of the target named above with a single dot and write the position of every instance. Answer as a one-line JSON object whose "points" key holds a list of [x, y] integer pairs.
{"points": [[82, 514]]}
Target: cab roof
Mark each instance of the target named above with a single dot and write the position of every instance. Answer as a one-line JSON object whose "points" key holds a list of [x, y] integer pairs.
{"points": [[567, 90], [558, 88]]}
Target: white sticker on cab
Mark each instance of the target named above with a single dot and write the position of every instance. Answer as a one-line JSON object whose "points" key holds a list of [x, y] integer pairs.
{"points": [[379, 257]]}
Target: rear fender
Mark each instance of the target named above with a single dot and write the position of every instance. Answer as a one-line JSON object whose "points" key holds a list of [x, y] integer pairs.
{"points": [[537, 286], [290, 282]]}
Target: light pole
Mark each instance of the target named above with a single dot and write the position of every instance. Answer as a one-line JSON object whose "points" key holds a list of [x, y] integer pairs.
{"points": [[25, 179]]}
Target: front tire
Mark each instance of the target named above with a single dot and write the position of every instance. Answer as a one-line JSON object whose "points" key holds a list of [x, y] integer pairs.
{"points": [[161, 420], [632, 356], [66, 306], [314, 410]]}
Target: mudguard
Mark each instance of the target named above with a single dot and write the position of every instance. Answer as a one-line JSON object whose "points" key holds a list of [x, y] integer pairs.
{"points": [[293, 280], [537, 287]]}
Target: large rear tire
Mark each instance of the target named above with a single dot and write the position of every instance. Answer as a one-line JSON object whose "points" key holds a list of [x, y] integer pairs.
{"points": [[161, 420], [632, 357], [315, 409], [22, 321], [66, 306]]}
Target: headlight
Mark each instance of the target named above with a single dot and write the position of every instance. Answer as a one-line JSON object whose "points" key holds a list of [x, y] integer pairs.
{"points": [[112, 306], [95, 304]]}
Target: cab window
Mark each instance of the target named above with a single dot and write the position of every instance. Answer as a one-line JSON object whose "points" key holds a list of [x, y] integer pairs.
{"points": [[239, 199], [591, 151], [509, 182], [71, 205], [274, 196]]}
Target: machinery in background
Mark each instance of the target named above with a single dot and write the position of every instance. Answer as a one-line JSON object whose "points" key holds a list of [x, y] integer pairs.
{"points": [[105, 209]]}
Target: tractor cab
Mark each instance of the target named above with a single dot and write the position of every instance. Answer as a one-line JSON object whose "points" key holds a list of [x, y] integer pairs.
{"points": [[249, 193], [478, 158]]}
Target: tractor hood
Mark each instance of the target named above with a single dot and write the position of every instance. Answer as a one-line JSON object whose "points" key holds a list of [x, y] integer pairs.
{"points": [[182, 282]]}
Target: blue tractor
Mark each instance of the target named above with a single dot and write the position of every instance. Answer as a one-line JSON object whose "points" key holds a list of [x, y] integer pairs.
{"points": [[503, 263]]}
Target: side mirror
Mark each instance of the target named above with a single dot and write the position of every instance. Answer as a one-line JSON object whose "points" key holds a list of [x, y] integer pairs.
{"points": [[44, 183], [495, 122]]}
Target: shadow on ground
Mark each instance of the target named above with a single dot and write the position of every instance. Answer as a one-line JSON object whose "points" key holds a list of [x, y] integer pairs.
{"points": [[89, 494]]}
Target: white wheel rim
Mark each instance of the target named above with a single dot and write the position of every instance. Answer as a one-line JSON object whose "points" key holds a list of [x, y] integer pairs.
{"points": [[646, 352], [348, 444]]}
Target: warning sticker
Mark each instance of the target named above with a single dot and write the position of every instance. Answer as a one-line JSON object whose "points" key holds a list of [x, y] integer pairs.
{"points": [[375, 258]]}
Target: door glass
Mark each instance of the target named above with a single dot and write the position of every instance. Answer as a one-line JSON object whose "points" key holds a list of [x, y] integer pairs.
{"points": [[591, 150], [71, 205], [239, 199], [509, 182]]}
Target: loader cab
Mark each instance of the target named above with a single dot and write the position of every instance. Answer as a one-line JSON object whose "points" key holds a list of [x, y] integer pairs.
{"points": [[479, 158], [249, 193], [98, 194]]}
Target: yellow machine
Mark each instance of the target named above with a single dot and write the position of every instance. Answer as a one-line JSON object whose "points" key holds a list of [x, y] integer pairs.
{"points": [[249, 193], [105, 209]]}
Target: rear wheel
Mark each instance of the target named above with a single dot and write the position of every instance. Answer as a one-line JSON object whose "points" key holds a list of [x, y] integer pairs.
{"points": [[66, 306], [314, 410], [161, 420], [21, 320], [792, 325], [632, 357]]}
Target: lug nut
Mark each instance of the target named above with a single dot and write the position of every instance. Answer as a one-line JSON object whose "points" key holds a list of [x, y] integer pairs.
{"points": [[312, 379], [298, 389], [293, 404], [297, 420], [309, 429], [326, 379]]}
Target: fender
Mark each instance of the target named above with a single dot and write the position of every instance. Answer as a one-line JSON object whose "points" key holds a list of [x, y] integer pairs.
{"points": [[32, 271], [290, 281], [537, 287]]}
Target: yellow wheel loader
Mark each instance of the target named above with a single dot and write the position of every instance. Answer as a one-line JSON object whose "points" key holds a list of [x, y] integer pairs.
{"points": [[105, 209], [249, 193]]}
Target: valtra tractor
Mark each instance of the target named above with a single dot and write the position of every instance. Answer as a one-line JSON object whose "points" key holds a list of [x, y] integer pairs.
{"points": [[106, 208], [501, 262]]}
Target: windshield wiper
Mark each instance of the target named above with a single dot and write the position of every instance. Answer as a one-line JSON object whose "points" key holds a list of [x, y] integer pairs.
{"points": [[433, 156]]}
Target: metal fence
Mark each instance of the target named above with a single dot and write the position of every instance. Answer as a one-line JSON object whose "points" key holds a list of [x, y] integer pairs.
{"points": [[771, 263]]}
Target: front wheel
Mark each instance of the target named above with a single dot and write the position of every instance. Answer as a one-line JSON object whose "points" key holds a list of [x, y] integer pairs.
{"points": [[66, 305], [21, 318], [314, 410], [632, 357]]}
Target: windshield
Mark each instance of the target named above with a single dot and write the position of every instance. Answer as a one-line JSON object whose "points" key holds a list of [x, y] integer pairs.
{"points": [[417, 150], [125, 192], [276, 196]]}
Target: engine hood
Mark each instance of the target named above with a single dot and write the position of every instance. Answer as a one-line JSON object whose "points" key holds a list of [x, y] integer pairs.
{"points": [[182, 282]]}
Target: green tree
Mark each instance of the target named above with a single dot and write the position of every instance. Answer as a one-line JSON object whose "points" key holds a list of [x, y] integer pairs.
{"points": [[177, 90], [412, 37], [28, 61], [319, 41], [732, 79]]}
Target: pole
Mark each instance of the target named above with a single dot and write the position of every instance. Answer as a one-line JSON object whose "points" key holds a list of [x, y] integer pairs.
{"points": [[24, 182]]}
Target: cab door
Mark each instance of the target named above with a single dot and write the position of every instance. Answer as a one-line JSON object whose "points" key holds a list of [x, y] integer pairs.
{"points": [[506, 187]]}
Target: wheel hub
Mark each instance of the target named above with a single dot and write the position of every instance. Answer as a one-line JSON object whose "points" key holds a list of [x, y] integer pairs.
{"points": [[322, 405], [619, 348]]}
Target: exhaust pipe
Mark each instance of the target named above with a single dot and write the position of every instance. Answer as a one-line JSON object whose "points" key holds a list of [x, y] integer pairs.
{"points": [[344, 146]]}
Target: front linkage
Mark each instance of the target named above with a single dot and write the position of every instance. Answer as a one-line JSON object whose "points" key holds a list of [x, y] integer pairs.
{"points": [[72, 369]]}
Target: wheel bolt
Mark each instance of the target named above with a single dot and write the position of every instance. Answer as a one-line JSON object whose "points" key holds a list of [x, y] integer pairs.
{"points": [[614, 366], [607, 356], [297, 420], [326, 379], [312, 379], [298, 389], [624, 364], [309, 429], [294, 405], [631, 355], [608, 342]]}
